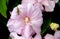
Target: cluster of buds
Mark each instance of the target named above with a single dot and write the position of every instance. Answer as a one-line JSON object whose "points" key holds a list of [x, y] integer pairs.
{"points": [[26, 18]]}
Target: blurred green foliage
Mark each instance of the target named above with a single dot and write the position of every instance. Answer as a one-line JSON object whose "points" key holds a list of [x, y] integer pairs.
{"points": [[46, 25], [3, 7], [59, 3]]}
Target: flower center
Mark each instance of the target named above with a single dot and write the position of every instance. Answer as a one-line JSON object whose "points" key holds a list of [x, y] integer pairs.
{"points": [[26, 19]]}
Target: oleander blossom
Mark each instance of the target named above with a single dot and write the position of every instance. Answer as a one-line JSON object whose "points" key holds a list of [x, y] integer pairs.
{"points": [[49, 5], [55, 36], [26, 20]]}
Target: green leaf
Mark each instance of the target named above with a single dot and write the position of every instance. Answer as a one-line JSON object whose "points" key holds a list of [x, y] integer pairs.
{"points": [[3, 8]]}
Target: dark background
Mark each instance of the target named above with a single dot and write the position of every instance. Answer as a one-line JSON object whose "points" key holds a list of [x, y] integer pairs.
{"points": [[4, 33]]}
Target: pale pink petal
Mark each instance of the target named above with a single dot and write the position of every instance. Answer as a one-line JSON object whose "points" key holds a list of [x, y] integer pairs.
{"points": [[56, 1], [28, 31], [36, 25], [57, 35], [37, 20], [45, 2], [10, 25], [51, 6], [49, 36], [39, 1], [29, 1], [15, 25], [38, 36], [36, 14], [14, 13], [14, 35]]}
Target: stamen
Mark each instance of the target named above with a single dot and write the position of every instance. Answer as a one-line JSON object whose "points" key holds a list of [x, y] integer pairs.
{"points": [[26, 19]]}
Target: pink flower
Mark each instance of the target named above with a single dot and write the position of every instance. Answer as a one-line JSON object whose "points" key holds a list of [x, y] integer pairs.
{"points": [[48, 4], [26, 20], [55, 36]]}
